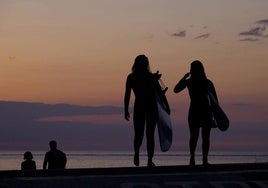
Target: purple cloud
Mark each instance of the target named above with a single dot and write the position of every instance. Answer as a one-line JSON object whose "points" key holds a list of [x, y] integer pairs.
{"points": [[242, 104], [257, 31], [179, 34], [249, 40], [204, 36], [263, 22]]}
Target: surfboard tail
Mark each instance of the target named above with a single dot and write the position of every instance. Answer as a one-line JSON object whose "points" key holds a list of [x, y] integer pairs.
{"points": [[219, 115], [164, 129], [163, 118]]}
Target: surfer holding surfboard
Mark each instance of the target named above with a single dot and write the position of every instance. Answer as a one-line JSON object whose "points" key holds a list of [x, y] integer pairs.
{"points": [[141, 81], [200, 112]]}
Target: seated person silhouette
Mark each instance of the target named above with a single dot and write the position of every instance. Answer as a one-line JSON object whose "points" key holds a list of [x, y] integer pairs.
{"points": [[28, 163], [54, 159]]}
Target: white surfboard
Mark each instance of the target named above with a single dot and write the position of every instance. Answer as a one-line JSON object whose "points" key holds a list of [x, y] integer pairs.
{"points": [[219, 115], [163, 123]]}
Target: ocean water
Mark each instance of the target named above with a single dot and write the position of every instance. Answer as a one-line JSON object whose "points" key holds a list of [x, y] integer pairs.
{"points": [[11, 160]]}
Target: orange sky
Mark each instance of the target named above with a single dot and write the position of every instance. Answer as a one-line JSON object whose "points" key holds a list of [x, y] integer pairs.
{"points": [[80, 53]]}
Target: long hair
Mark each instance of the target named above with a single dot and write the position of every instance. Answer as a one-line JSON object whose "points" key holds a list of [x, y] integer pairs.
{"points": [[197, 71], [141, 64], [198, 75]]}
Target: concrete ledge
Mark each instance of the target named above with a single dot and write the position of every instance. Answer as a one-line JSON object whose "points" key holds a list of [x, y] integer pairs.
{"points": [[218, 176], [136, 170]]}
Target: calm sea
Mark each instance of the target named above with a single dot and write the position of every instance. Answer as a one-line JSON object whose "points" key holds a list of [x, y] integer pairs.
{"points": [[11, 160]]}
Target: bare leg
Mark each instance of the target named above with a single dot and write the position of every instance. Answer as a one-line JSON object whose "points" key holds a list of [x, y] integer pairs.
{"points": [[150, 130], [205, 143], [139, 126], [194, 135]]}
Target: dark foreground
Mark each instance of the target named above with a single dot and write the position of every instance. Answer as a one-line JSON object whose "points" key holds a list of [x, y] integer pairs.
{"points": [[220, 176]]}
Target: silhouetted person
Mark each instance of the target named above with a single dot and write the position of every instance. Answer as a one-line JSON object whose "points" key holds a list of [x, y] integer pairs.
{"points": [[28, 163], [141, 81], [200, 114], [54, 159]]}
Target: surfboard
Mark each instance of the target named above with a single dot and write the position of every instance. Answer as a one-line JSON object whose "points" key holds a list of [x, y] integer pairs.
{"points": [[163, 119], [219, 115]]}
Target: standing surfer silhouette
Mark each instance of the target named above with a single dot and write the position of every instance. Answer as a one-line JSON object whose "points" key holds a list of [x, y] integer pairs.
{"points": [[200, 114], [141, 81]]}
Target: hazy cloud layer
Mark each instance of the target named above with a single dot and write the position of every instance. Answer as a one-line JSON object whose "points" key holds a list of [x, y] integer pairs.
{"points": [[203, 36], [243, 104], [179, 34], [193, 29], [250, 40], [262, 22], [255, 33], [22, 129]]}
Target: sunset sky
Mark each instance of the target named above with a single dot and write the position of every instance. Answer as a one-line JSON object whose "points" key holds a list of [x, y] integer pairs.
{"points": [[80, 52]]}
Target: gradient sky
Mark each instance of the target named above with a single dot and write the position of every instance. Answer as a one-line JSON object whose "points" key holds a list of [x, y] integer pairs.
{"points": [[80, 52]]}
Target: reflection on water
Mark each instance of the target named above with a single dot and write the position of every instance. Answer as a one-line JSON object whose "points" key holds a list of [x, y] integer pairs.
{"points": [[11, 160]]}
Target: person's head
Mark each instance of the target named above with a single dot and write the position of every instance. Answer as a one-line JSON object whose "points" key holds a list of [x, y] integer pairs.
{"points": [[53, 145], [28, 155], [141, 64], [197, 70]]}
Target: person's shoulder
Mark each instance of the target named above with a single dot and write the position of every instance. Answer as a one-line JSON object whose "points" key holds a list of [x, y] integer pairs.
{"points": [[61, 152], [31, 162], [130, 76], [210, 83], [49, 153]]}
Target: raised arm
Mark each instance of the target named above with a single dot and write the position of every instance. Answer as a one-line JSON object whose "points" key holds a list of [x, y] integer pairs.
{"points": [[181, 85]]}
